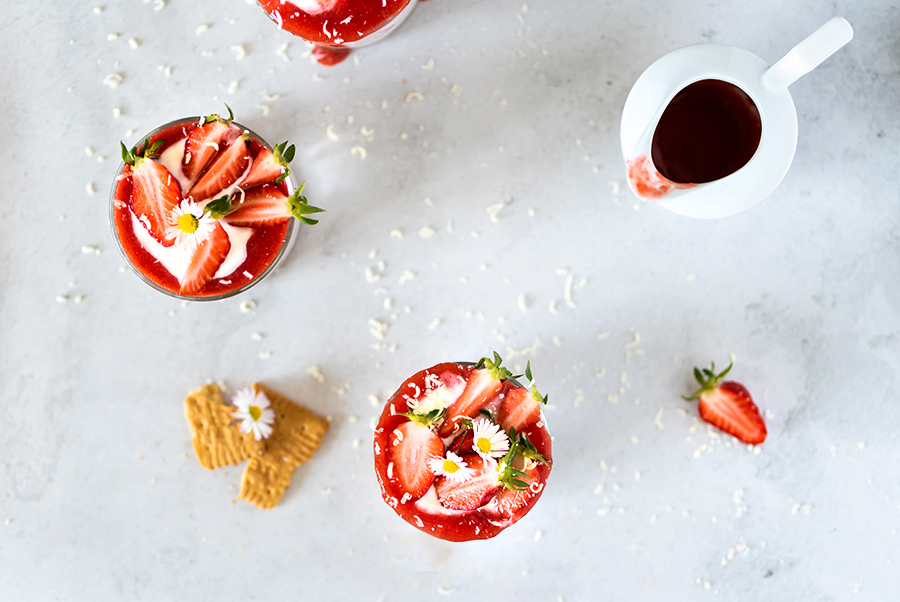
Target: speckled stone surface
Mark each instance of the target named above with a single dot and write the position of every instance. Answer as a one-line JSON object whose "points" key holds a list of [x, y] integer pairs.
{"points": [[490, 137]]}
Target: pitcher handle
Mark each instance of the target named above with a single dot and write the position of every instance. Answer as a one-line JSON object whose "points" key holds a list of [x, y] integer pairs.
{"points": [[808, 54]]}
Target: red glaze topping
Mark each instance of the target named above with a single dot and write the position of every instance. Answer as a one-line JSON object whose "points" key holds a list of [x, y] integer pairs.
{"points": [[340, 21]]}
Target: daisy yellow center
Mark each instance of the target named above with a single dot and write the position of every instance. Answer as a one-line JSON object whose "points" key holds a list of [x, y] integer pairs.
{"points": [[188, 223], [450, 466], [255, 413], [483, 445]]}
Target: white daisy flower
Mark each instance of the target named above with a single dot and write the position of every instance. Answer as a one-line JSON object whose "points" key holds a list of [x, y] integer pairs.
{"points": [[489, 441], [451, 466], [254, 413], [189, 225]]}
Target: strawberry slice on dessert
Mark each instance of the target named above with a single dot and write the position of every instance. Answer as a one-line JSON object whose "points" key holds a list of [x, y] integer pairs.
{"points": [[473, 489], [205, 261], [226, 169], [267, 205], [484, 385], [411, 446], [202, 144], [521, 408], [154, 191], [727, 405], [270, 167]]}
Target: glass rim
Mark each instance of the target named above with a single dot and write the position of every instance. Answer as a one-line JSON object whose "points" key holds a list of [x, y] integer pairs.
{"points": [[286, 245]]}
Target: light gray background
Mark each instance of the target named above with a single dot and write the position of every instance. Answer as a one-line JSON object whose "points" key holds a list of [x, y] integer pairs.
{"points": [[101, 496]]}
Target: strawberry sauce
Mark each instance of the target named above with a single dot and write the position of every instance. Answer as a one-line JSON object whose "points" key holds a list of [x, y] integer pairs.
{"points": [[332, 24], [647, 183], [328, 56], [262, 247], [427, 513], [709, 130]]}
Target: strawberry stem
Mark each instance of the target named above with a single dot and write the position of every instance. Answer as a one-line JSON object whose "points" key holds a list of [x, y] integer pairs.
{"points": [[425, 419], [508, 476], [519, 444], [299, 207], [146, 151], [495, 367], [283, 155], [708, 380], [535, 394], [217, 117], [220, 207]]}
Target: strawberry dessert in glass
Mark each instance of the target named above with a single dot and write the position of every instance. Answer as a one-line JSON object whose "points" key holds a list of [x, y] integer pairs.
{"points": [[462, 450], [337, 26], [203, 209]]}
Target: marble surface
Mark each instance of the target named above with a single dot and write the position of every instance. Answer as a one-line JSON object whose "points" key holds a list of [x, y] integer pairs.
{"points": [[494, 125]]}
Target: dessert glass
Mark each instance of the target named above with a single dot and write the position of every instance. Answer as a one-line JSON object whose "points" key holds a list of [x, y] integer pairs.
{"points": [[266, 247], [335, 27], [460, 413]]}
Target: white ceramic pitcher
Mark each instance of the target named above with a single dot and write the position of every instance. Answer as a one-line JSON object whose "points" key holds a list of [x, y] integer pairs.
{"points": [[766, 85]]}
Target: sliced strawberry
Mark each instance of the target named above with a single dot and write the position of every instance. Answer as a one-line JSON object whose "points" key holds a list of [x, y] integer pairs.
{"points": [[201, 146], [728, 406], [411, 446], [154, 194], [731, 409], [482, 387], [519, 409], [206, 261], [510, 501], [472, 493], [225, 170], [264, 170], [262, 206], [266, 205]]}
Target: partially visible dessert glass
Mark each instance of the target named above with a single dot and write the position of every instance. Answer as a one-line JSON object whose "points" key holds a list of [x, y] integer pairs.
{"points": [[202, 209], [335, 27]]}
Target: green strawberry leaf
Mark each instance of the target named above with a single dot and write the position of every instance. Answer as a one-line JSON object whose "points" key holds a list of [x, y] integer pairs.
{"points": [[220, 207], [217, 117], [283, 155], [425, 419], [299, 207], [708, 380]]}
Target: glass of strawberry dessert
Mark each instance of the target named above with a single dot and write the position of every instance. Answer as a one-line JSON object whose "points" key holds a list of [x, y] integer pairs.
{"points": [[462, 450], [203, 209], [334, 27]]}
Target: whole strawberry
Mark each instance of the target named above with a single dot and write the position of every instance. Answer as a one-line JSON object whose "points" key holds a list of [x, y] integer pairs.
{"points": [[728, 405]]}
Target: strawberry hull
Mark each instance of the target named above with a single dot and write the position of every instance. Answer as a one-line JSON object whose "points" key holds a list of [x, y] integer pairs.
{"points": [[500, 509], [262, 246]]}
